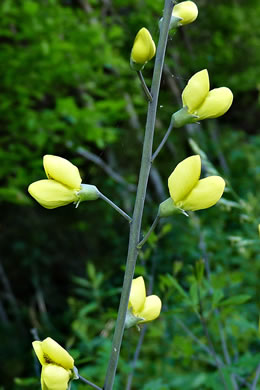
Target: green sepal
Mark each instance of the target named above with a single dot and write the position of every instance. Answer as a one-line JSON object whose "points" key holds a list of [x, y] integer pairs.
{"points": [[88, 192], [174, 23], [182, 117], [168, 208], [135, 66], [74, 376], [131, 320]]}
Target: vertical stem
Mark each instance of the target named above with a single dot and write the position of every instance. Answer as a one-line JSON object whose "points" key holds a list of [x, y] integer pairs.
{"points": [[140, 198]]}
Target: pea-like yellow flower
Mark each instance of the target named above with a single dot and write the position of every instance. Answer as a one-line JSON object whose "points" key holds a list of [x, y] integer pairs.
{"points": [[63, 185], [188, 192], [141, 308], [57, 364], [186, 11], [202, 102], [199, 102], [143, 49]]}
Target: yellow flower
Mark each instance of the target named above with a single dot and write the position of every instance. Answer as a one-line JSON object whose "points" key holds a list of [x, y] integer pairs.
{"points": [[142, 308], [190, 193], [143, 49], [57, 364], [202, 102], [186, 11], [62, 185]]}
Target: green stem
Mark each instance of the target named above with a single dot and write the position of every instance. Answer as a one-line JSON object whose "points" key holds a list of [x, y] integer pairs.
{"points": [[112, 204], [257, 375], [168, 132], [145, 88], [153, 226], [140, 198]]}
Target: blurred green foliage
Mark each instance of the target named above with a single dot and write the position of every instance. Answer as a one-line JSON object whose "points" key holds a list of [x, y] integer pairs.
{"points": [[67, 88]]}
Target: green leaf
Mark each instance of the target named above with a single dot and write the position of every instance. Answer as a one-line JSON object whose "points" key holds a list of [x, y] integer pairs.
{"points": [[236, 300]]}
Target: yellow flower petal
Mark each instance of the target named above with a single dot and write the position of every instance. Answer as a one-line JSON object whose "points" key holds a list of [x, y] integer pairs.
{"points": [[37, 346], [51, 194], [143, 48], [187, 11], [56, 354], [62, 170], [216, 103], [43, 385], [184, 177], [55, 377], [205, 194], [196, 90], [152, 308], [137, 295]]}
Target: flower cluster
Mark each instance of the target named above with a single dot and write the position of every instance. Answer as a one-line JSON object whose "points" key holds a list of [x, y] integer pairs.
{"points": [[187, 192]]}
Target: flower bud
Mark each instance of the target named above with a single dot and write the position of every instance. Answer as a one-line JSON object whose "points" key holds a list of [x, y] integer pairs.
{"points": [[143, 49], [186, 11]]}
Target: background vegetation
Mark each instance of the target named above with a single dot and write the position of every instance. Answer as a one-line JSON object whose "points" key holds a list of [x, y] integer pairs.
{"points": [[67, 89]]}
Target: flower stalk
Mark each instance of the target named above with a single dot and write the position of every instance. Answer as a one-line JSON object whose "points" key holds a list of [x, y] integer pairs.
{"points": [[87, 382], [144, 86], [140, 197], [164, 140], [112, 204], [153, 226]]}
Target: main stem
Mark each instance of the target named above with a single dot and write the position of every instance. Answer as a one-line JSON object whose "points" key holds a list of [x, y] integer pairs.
{"points": [[140, 197]]}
